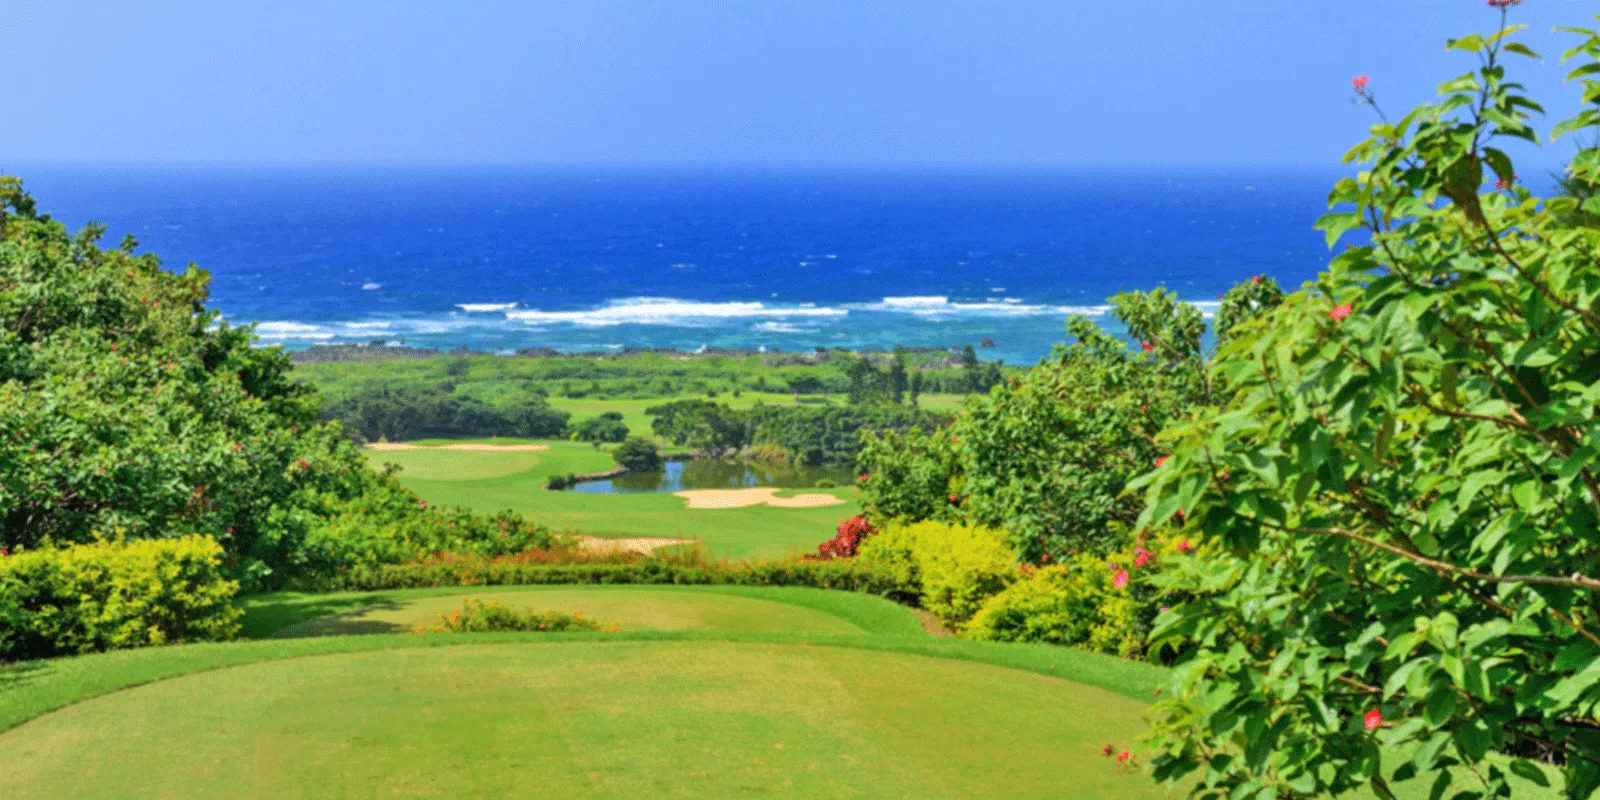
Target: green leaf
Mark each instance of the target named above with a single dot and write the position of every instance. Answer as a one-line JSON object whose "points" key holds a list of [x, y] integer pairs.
{"points": [[1529, 771], [1471, 44]]}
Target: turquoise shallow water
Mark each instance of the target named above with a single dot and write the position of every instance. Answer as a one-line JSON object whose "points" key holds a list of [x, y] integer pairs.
{"points": [[595, 258]]}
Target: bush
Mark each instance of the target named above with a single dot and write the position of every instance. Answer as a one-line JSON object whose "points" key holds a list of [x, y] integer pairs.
{"points": [[826, 483], [846, 542], [607, 427], [638, 454], [389, 524], [1397, 498], [477, 616], [955, 568], [1073, 604], [105, 596]]}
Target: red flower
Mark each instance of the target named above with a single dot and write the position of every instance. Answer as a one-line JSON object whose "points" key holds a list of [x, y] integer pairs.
{"points": [[1373, 719], [954, 499], [238, 447], [1255, 279], [6, 551], [1148, 347], [1505, 183], [1123, 756], [863, 477], [1120, 580], [1185, 547], [230, 530], [1107, 751], [1360, 82], [1160, 461], [1340, 311], [1045, 557], [1140, 557]]}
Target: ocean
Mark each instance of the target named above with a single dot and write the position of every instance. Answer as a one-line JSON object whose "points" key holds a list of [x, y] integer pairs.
{"points": [[598, 258]]}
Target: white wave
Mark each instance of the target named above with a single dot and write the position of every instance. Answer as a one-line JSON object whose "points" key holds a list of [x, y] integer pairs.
{"points": [[475, 308], [781, 327], [668, 311], [369, 286], [291, 330], [367, 326], [941, 307]]}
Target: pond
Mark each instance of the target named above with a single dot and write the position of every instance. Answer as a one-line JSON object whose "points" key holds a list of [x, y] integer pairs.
{"points": [[677, 476]]}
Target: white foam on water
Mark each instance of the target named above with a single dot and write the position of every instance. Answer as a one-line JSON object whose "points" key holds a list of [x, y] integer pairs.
{"points": [[669, 311], [278, 330], [781, 327], [485, 308], [369, 286]]}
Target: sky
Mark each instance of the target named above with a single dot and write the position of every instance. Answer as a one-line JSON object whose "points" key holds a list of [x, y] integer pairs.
{"points": [[854, 82]]}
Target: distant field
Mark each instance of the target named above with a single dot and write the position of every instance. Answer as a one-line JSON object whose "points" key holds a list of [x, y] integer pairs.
{"points": [[488, 482]]}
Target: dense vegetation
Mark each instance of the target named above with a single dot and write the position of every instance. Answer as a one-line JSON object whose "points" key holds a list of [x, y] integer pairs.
{"points": [[129, 411], [809, 435]]}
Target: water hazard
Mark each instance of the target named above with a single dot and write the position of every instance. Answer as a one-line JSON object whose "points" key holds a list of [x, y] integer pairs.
{"points": [[720, 474]]}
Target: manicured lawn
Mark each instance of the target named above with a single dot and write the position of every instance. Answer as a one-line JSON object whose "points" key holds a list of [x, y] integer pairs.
{"points": [[490, 481], [736, 609], [592, 717]]}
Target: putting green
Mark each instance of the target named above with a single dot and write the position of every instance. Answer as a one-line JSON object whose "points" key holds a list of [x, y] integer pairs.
{"points": [[586, 718], [635, 608]]}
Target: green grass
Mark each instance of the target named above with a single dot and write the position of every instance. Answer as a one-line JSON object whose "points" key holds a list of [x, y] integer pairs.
{"points": [[594, 718], [487, 482], [737, 609]]}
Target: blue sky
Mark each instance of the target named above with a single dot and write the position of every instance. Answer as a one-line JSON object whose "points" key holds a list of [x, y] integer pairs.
{"points": [[763, 82]]}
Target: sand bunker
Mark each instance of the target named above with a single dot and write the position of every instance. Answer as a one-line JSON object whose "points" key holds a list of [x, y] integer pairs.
{"points": [[739, 498], [475, 447], [637, 544]]}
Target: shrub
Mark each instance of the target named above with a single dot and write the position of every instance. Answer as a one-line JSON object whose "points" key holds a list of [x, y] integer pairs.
{"points": [[478, 616], [955, 567], [638, 454], [1397, 501], [826, 483], [1078, 603], [389, 524], [103, 596], [607, 427], [893, 551], [845, 543]]}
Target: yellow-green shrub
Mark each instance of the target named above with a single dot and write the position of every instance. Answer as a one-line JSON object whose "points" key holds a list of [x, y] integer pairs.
{"points": [[111, 595], [957, 566], [1077, 603]]}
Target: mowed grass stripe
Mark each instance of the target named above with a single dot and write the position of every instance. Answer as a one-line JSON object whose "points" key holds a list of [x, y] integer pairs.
{"points": [[588, 719], [737, 609]]}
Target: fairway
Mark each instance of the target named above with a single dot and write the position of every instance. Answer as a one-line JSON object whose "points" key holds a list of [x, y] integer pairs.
{"points": [[586, 718], [490, 481], [635, 608]]}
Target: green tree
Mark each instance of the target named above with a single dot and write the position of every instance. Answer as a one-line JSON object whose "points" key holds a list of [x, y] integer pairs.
{"points": [[1396, 502]]}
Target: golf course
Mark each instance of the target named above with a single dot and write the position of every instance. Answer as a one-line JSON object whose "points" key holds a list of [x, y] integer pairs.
{"points": [[498, 477], [703, 692]]}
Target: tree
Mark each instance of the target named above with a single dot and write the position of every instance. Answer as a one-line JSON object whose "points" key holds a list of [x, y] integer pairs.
{"points": [[898, 382], [1397, 501], [638, 454], [608, 427]]}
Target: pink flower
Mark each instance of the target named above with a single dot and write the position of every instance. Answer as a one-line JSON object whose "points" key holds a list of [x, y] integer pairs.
{"points": [[1505, 183], [1120, 580], [1140, 557], [1372, 720], [1359, 82], [1255, 279], [1340, 311]]}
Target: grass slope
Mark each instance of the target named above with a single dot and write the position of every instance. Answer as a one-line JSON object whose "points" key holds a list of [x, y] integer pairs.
{"points": [[576, 718], [736, 609], [490, 481]]}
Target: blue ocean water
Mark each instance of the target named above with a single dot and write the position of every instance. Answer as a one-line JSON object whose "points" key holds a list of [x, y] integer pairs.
{"points": [[592, 258]]}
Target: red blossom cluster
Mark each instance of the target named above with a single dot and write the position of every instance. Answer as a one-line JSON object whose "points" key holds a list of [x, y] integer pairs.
{"points": [[848, 540], [1339, 312], [1504, 3]]}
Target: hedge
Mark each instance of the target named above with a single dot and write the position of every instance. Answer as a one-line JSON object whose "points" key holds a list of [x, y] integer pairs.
{"points": [[104, 596], [842, 575]]}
